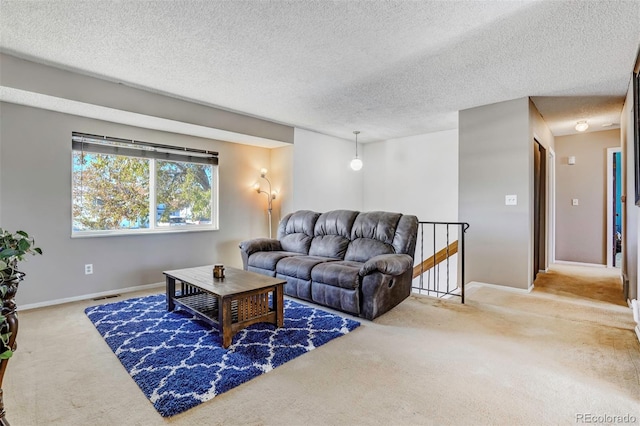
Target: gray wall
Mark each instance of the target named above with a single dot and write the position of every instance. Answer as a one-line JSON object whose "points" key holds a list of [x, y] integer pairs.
{"points": [[35, 188], [581, 230], [496, 159], [26, 75]]}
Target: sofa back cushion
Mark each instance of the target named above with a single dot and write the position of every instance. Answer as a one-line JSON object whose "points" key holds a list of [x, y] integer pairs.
{"points": [[375, 233], [295, 231], [332, 234]]}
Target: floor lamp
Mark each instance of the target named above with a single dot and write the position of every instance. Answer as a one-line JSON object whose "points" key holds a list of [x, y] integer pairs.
{"points": [[270, 195]]}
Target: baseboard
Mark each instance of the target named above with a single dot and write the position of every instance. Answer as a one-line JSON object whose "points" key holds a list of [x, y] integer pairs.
{"points": [[473, 284], [89, 296], [592, 265]]}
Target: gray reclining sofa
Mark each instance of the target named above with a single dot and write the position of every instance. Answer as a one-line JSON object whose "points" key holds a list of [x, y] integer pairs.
{"points": [[356, 262]]}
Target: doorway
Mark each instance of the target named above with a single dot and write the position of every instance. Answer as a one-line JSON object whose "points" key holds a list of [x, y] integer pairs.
{"points": [[614, 208], [551, 213], [539, 207]]}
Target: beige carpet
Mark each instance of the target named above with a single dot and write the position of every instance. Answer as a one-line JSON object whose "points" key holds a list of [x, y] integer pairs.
{"points": [[566, 349]]}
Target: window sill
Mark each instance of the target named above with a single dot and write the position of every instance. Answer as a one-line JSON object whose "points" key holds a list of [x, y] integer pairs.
{"points": [[127, 232]]}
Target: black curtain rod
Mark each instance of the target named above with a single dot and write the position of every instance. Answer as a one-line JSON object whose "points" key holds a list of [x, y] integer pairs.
{"points": [[149, 144]]}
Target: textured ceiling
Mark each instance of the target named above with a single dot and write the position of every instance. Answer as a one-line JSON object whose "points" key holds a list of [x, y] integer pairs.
{"points": [[386, 68]]}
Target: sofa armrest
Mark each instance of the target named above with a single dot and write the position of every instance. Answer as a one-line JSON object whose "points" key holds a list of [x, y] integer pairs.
{"points": [[390, 264], [260, 244]]}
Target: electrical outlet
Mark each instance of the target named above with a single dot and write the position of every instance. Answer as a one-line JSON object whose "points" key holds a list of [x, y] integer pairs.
{"points": [[575, 202], [88, 269], [510, 200]]}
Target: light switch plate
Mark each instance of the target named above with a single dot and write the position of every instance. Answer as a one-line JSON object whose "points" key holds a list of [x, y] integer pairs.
{"points": [[574, 202], [510, 200]]}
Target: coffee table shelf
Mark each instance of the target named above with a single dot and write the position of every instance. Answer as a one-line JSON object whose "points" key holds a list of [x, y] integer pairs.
{"points": [[230, 304], [202, 305]]}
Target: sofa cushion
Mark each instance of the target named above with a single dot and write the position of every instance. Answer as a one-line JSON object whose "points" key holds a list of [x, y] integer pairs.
{"points": [[342, 273], [299, 266], [372, 234], [269, 259], [332, 234], [295, 231]]}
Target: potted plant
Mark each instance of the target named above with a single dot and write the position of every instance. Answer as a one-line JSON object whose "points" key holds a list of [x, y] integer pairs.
{"points": [[13, 248]]}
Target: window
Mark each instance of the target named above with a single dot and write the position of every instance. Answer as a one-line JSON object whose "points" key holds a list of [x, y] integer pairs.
{"points": [[124, 187]]}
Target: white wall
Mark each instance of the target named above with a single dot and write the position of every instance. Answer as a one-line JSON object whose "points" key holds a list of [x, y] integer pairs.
{"points": [[282, 174], [394, 177], [414, 175], [322, 179]]}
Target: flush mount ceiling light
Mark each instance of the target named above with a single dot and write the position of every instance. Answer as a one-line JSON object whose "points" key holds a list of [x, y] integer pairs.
{"points": [[356, 163], [581, 126]]}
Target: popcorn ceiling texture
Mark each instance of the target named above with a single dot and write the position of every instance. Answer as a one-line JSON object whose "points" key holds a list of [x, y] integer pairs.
{"points": [[387, 68]]}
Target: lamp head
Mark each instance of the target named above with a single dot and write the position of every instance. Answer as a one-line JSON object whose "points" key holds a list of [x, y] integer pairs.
{"points": [[356, 164], [263, 172], [256, 186]]}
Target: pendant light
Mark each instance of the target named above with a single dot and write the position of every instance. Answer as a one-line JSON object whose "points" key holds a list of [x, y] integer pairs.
{"points": [[356, 163]]}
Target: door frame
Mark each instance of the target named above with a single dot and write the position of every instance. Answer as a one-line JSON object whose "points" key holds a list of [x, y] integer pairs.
{"points": [[551, 213], [609, 227], [541, 208]]}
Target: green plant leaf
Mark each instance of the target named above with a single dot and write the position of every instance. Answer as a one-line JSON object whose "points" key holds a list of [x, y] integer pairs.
{"points": [[6, 354], [23, 245], [8, 252]]}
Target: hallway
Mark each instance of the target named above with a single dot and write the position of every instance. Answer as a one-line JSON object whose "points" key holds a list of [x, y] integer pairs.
{"points": [[582, 283]]}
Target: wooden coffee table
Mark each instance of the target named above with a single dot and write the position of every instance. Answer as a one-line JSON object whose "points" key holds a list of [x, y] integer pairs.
{"points": [[234, 302]]}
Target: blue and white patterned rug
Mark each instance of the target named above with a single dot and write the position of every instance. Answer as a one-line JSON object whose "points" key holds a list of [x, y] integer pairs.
{"points": [[179, 362]]}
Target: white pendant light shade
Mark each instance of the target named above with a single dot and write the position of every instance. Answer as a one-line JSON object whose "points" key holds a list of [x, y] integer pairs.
{"points": [[356, 163]]}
